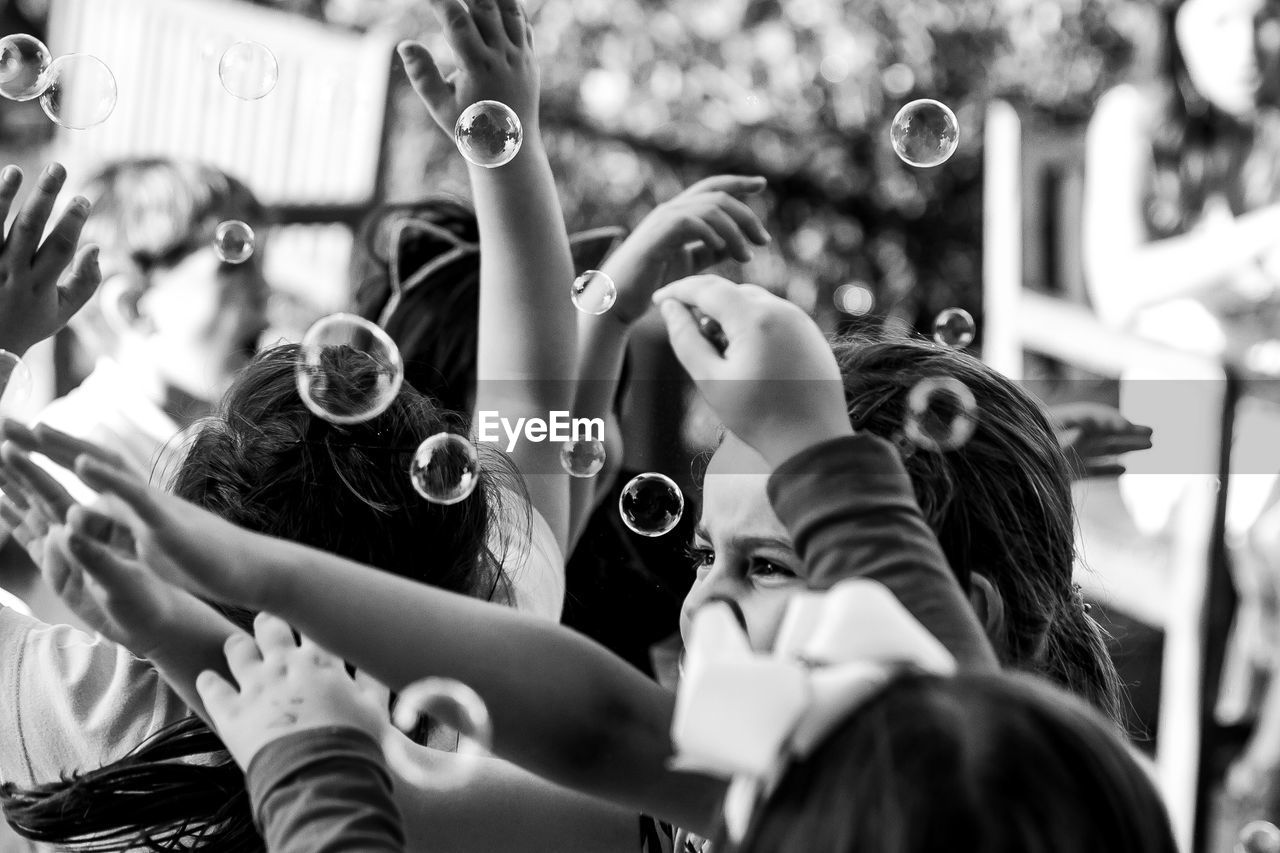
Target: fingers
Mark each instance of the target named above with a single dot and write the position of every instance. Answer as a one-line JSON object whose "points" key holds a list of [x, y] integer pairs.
{"points": [[100, 562], [60, 246], [460, 30], [1103, 469], [698, 355], [217, 694], [424, 76], [515, 22], [102, 477], [56, 499], [243, 657], [727, 228], [488, 22], [65, 449], [29, 226], [80, 284], [718, 298], [274, 636], [745, 218], [10, 183]]}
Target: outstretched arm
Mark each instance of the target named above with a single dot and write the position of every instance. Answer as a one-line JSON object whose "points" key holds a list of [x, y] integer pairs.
{"points": [[527, 338]]}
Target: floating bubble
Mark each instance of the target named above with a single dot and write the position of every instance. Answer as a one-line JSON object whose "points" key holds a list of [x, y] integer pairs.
{"points": [[248, 70], [445, 703], [15, 378], [233, 241], [79, 91], [488, 134], [582, 458], [651, 504], [445, 469], [954, 328], [925, 133], [594, 292], [941, 414], [349, 370], [1259, 836], [23, 62]]}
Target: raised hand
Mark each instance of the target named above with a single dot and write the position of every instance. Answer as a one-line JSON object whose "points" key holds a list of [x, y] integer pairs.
{"points": [[1092, 435], [776, 385], [284, 687], [42, 284], [493, 43], [704, 225]]}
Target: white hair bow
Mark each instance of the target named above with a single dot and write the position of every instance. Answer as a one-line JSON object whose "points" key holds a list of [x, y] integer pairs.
{"points": [[744, 715]]}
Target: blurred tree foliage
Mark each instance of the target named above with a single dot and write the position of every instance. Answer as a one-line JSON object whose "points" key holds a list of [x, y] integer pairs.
{"points": [[642, 97]]}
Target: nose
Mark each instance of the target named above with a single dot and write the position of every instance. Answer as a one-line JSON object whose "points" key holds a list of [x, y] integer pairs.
{"points": [[713, 585]]}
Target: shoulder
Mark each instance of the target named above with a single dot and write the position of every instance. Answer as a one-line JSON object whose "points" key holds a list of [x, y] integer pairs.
{"points": [[1125, 109]]}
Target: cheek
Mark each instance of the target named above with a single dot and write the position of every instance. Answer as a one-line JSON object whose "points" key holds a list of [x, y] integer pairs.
{"points": [[764, 609]]}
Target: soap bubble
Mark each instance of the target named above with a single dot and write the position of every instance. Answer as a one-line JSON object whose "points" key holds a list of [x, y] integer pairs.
{"points": [[651, 504], [16, 377], [488, 134], [349, 371], [925, 133], [79, 91], [941, 414], [233, 241], [445, 469], [248, 70], [954, 328], [447, 704], [582, 458], [594, 292], [23, 62], [1259, 836]]}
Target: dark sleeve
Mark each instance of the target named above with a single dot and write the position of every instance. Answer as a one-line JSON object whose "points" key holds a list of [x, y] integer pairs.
{"points": [[323, 791], [849, 506]]}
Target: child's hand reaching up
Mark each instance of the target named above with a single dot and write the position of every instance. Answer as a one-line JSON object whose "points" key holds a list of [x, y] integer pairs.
{"points": [[493, 42], [284, 687], [777, 385], [704, 225], [33, 304]]}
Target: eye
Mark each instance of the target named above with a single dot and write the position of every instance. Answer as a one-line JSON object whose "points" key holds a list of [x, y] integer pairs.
{"points": [[700, 556], [764, 572]]}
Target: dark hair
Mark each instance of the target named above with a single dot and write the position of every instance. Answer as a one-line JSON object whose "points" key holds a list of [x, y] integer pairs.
{"points": [[1198, 150], [971, 764], [1000, 504], [436, 324], [267, 463]]}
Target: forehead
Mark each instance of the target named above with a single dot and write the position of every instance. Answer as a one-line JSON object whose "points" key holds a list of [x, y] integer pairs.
{"points": [[735, 500], [1218, 9]]}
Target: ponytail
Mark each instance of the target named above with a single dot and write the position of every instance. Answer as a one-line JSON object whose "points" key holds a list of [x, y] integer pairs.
{"points": [[178, 790]]}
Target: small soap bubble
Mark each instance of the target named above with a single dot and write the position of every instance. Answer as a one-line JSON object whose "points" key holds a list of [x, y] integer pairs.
{"points": [[349, 370], [488, 134], [594, 292], [582, 458], [16, 379], [248, 70], [925, 133], [449, 705], [651, 504], [954, 328], [1259, 836], [23, 62], [79, 91], [445, 469], [233, 241], [941, 414]]}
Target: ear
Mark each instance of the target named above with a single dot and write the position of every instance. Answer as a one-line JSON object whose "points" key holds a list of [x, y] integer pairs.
{"points": [[989, 605], [121, 297]]}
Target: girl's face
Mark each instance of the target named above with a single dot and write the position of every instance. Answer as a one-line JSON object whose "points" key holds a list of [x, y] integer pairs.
{"points": [[743, 552], [1220, 40]]}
